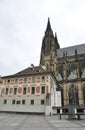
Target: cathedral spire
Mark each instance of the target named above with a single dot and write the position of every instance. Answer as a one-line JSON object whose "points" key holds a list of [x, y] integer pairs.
{"points": [[49, 31], [56, 41], [48, 25]]}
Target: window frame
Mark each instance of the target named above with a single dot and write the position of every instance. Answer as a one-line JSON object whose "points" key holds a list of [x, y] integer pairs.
{"points": [[6, 92], [24, 90], [25, 79], [42, 91], [18, 102], [15, 91], [32, 90], [43, 77], [23, 102], [42, 102], [5, 101], [32, 102], [13, 101]]}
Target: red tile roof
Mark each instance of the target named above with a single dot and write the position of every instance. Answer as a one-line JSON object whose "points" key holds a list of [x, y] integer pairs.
{"points": [[31, 70]]}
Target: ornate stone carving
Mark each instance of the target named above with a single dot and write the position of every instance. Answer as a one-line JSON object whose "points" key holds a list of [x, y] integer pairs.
{"points": [[73, 96]]}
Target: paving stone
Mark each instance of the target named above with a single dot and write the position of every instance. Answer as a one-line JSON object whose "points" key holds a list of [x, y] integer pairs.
{"points": [[64, 129], [37, 122]]}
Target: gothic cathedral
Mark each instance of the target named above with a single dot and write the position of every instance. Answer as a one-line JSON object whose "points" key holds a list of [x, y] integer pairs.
{"points": [[68, 66]]}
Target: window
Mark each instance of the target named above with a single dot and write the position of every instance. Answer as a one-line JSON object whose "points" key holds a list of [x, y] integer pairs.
{"points": [[43, 89], [33, 90], [6, 91], [5, 101], [16, 80], [24, 90], [32, 102], [15, 91], [25, 79], [18, 102], [8, 81], [42, 102], [13, 101], [33, 78], [23, 101], [43, 78]]}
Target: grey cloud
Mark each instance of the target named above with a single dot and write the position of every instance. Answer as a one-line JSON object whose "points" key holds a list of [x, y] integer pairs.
{"points": [[22, 26]]}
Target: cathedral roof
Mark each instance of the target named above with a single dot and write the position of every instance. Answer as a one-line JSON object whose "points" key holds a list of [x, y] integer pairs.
{"points": [[70, 51]]}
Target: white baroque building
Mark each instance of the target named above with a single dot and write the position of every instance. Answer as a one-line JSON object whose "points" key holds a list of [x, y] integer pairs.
{"points": [[32, 90]]}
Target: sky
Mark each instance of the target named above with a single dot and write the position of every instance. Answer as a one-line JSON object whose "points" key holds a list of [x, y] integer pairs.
{"points": [[22, 27]]}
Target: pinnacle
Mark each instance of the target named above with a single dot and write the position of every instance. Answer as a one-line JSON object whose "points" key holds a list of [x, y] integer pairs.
{"points": [[48, 25]]}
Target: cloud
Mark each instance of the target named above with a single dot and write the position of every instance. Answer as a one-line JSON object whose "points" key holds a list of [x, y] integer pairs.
{"points": [[22, 27]]}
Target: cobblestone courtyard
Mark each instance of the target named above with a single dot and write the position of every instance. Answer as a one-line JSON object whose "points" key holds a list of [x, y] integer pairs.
{"points": [[11, 121]]}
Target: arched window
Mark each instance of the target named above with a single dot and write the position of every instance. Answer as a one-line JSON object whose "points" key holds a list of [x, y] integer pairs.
{"points": [[73, 96]]}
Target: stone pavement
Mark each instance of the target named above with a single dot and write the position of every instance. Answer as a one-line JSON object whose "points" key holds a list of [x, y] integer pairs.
{"points": [[11, 121]]}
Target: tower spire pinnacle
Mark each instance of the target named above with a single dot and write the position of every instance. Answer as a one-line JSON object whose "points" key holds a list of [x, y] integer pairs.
{"points": [[56, 41], [48, 25]]}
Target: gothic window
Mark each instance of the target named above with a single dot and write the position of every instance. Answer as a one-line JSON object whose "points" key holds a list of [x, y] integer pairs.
{"points": [[60, 70], [73, 68], [47, 46], [84, 94], [73, 96], [72, 71], [82, 67]]}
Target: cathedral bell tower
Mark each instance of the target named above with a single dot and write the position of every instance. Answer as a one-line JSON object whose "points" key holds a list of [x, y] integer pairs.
{"points": [[48, 49]]}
